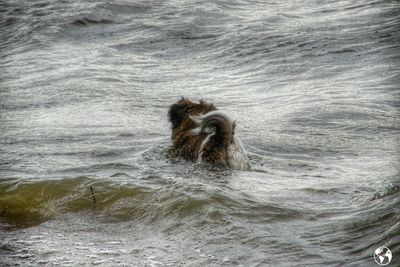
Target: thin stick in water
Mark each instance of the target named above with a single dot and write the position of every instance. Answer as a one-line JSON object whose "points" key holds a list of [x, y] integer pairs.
{"points": [[94, 198]]}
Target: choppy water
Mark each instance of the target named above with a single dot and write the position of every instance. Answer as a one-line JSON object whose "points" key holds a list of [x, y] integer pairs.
{"points": [[84, 92]]}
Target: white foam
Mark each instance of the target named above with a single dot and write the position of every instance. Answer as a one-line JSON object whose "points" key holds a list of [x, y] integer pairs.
{"points": [[237, 158]]}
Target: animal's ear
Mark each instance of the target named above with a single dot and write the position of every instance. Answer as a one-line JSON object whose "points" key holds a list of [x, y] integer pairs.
{"points": [[212, 107], [177, 112]]}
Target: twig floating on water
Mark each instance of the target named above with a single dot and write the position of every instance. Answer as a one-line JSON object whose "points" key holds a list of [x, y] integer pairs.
{"points": [[94, 198]]}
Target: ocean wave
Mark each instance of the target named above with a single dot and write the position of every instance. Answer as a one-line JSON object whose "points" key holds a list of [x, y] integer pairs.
{"points": [[26, 203], [84, 93]]}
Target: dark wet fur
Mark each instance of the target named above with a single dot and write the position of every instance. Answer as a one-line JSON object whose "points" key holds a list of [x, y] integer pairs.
{"points": [[187, 145], [184, 107]]}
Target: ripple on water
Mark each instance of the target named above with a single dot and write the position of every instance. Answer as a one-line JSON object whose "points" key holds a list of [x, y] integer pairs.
{"points": [[85, 176]]}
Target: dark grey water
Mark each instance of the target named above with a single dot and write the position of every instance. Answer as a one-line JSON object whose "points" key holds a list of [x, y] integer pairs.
{"points": [[84, 92]]}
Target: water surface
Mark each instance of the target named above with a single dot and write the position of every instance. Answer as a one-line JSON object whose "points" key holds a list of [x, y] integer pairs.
{"points": [[84, 93]]}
